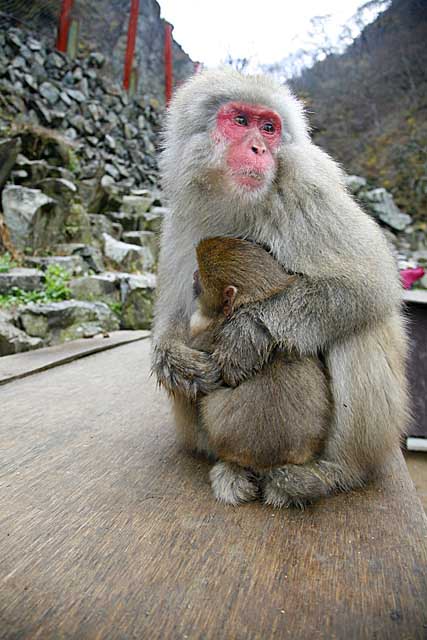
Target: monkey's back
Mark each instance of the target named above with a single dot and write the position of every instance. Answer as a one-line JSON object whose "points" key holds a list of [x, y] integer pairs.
{"points": [[280, 415]]}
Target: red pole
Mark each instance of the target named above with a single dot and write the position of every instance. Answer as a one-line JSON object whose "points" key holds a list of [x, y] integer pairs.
{"points": [[130, 48], [168, 63], [64, 25]]}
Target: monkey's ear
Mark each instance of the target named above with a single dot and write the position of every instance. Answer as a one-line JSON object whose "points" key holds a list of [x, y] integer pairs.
{"points": [[229, 296]]}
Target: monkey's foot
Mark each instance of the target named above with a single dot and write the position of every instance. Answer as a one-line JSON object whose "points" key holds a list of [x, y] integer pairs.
{"points": [[278, 498], [298, 485], [232, 484]]}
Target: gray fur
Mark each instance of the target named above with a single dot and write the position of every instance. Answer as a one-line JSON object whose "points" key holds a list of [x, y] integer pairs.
{"points": [[345, 303]]}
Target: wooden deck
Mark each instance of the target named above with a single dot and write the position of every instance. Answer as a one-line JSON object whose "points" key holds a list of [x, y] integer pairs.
{"points": [[108, 531]]}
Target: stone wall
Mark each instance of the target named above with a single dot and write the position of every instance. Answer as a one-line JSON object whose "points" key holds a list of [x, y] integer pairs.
{"points": [[80, 207], [103, 27]]}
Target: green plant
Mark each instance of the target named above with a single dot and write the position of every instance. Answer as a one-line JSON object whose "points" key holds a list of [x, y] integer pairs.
{"points": [[116, 307], [55, 289], [56, 283], [73, 162], [18, 297], [6, 263]]}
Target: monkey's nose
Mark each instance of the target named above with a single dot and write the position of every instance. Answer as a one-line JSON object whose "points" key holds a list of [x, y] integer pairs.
{"points": [[257, 148]]}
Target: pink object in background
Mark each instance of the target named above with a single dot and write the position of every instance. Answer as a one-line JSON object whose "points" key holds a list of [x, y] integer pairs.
{"points": [[409, 276]]}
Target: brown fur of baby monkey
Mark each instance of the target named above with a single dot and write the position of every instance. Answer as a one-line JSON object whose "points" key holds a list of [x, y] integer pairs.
{"points": [[281, 413]]}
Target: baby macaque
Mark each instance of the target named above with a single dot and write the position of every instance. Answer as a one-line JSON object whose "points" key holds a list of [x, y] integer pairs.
{"points": [[281, 413]]}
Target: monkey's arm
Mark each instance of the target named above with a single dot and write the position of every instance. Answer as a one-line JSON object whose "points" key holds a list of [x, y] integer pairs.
{"points": [[178, 367], [309, 316]]}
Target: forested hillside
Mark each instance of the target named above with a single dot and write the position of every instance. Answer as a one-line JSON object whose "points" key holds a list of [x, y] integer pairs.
{"points": [[368, 106]]}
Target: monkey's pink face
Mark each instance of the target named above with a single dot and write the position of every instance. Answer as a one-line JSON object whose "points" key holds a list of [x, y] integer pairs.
{"points": [[252, 135]]}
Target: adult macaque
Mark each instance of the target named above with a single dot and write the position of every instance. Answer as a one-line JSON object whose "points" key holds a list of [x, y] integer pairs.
{"points": [[281, 413], [238, 161]]}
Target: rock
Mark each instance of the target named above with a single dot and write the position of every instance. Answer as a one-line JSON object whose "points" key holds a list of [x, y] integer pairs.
{"points": [[54, 59], [138, 295], [153, 219], [49, 92], [73, 265], [30, 81], [96, 59], [14, 340], [128, 221], [110, 142], [144, 239], [77, 224], [112, 171], [91, 255], [355, 183], [100, 225], [26, 212], [25, 279], [37, 170], [420, 256], [381, 204], [103, 288], [128, 256], [137, 205], [58, 322], [9, 149], [76, 95]]}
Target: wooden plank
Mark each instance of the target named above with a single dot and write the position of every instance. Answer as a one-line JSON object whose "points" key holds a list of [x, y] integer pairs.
{"points": [[21, 365], [417, 368], [108, 531], [415, 295]]}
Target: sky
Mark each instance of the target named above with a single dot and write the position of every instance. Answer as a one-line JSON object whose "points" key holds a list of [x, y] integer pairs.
{"points": [[265, 33]]}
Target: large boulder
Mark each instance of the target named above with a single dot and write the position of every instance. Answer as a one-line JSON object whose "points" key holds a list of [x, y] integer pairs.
{"points": [[25, 279], [126, 256], [102, 288], [138, 293], [59, 322], [14, 340], [26, 213], [91, 255]]}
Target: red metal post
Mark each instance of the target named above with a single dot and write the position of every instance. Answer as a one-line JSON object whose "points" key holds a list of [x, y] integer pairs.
{"points": [[130, 49], [168, 63], [64, 25]]}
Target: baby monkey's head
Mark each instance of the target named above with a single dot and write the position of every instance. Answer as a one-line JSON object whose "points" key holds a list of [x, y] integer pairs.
{"points": [[231, 273]]}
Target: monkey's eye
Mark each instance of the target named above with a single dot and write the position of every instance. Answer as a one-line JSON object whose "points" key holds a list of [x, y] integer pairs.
{"points": [[241, 120], [268, 127]]}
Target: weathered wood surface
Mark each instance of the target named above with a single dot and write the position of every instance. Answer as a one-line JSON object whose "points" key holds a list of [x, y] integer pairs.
{"points": [[416, 312], [107, 531], [25, 364]]}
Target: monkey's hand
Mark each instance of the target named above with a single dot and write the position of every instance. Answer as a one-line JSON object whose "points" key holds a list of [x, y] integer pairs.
{"points": [[242, 346], [181, 369]]}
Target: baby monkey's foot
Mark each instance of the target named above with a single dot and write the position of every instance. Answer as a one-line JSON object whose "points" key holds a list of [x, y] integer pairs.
{"points": [[232, 484]]}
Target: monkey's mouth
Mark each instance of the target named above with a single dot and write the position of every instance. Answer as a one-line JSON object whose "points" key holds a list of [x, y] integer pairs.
{"points": [[249, 177]]}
